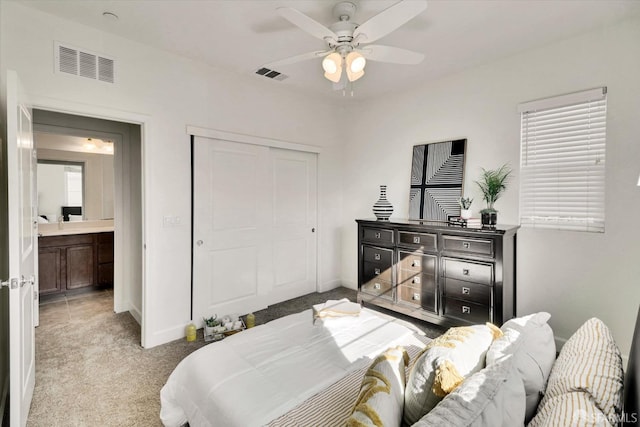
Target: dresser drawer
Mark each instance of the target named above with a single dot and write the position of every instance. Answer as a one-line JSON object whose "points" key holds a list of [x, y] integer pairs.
{"points": [[418, 297], [378, 287], [468, 271], [377, 255], [377, 271], [411, 261], [377, 235], [468, 245], [468, 311], [417, 280], [467, 291], [422, 241]]}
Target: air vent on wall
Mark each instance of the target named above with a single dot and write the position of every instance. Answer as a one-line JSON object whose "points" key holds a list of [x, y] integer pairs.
{"points": [[83, 63], [272, 74]]}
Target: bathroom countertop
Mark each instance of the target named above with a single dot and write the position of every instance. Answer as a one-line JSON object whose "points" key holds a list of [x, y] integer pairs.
{"points": [[70, 228]]}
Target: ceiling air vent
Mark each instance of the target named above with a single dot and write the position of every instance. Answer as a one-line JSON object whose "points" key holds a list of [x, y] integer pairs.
{"points": [[272, 74], [83, 63]]}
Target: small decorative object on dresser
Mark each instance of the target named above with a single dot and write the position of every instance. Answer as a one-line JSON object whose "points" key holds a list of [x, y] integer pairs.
{"points": [[382, 209], [492, 183], [465, 207]]}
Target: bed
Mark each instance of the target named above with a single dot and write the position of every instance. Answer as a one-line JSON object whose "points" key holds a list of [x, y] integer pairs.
{"points": [[291, 372], [273, 374]]}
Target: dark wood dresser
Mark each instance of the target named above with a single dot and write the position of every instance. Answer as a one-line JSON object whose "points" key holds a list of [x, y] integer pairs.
{"points": [[75, 261], [448, 275]]}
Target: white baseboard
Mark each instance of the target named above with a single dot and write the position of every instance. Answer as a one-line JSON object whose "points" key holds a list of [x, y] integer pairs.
{"points": [[137, 314], [162, 337]]}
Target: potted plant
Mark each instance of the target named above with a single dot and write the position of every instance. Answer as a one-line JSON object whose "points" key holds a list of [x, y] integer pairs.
{"points": [[210, 325], [492, 183], [465, 207]]}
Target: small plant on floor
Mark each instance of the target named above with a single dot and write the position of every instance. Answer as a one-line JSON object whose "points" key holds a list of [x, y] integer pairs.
{"points": [[211, 321]]}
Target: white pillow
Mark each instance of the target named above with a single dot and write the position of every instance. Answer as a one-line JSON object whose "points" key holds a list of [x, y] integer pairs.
{"points": [[492, 397], [443, 365], [530, 340], [381, 396]]}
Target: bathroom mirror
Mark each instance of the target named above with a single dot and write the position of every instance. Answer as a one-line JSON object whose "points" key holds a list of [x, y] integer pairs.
{"points": [[437, 176], [60, 190]]}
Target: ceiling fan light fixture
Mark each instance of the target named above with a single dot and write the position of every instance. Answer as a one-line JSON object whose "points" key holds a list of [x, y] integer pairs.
{"points": [[355, 62], [332, 65]]}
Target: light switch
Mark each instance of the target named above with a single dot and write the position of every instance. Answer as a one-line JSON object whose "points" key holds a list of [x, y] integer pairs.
{"points": [[170, 221]]}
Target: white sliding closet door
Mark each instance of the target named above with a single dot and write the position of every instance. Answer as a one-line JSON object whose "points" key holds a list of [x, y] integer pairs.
{"points": [[254, 215], [294, 176]]}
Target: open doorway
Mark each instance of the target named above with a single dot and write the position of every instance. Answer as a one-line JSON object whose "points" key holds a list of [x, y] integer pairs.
{"points": [[91, 202]]}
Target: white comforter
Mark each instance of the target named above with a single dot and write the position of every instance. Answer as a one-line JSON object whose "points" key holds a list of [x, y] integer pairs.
{"points": [[253, 377]]}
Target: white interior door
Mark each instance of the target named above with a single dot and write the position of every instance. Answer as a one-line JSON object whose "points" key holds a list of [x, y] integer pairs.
{"points": [[253, 229], [232, 271], [23, 249], [294, 191]]}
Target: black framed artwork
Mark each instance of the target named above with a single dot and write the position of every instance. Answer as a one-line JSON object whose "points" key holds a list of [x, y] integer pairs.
{"points": [[437, 177]]}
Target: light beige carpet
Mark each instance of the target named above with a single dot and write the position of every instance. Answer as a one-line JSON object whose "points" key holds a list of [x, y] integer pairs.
{"points": [[91, 370]]}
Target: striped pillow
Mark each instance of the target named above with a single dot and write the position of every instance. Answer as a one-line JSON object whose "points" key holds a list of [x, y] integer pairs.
{"points": [[381, 398], [570, 409], [589, 362]]}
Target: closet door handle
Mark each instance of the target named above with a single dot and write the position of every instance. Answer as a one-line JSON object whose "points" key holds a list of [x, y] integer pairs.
{"points": [[199, 243]]}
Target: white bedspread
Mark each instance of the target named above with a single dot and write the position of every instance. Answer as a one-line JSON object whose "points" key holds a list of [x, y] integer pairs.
{"points": [[252, 377]]}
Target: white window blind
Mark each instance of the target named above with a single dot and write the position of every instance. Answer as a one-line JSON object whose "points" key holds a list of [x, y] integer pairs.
{"points": [[562, 163]]}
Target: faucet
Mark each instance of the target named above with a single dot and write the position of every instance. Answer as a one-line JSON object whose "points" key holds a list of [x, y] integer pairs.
{"points": [[60, 219]]}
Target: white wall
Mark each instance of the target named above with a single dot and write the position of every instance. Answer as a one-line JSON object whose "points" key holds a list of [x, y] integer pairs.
{"points": [[171, 92], [572, 275], [98, 183]]}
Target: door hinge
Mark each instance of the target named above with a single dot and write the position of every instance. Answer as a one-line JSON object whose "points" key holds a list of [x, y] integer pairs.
{"points": [[12, 283]]}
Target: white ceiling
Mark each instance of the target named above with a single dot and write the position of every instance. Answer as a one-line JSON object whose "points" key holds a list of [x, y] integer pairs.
{"points": [[241, 35]]}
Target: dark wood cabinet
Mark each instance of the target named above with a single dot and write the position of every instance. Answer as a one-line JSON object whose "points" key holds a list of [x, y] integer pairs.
{"points": [[76, 261], [443, 274]]}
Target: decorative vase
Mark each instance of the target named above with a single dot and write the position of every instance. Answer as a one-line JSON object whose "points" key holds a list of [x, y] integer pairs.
{"points": [[382, 208], [489, 219], [465, 213]]}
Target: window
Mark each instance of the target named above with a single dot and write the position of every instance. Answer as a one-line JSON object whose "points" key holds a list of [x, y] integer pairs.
{"points": [[562, 163], [73, 185]]}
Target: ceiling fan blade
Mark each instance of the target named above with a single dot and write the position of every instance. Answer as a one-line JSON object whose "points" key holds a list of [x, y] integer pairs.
{"points": [[297, 58], [396, 55], [388, 20], [307, 24]]}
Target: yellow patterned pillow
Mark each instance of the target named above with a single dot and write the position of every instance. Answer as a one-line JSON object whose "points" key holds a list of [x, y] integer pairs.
{"points": [[589, 362], [381, 396], [443, 365]]}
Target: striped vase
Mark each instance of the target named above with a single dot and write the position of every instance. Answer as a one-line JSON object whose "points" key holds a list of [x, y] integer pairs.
{"points": [[382, 208]]}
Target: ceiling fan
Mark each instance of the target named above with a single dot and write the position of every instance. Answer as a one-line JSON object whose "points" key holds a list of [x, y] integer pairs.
{"points": [[347, 42]]}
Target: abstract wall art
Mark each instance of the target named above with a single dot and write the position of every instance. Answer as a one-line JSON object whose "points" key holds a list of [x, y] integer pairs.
{"points": [[437, 177]]}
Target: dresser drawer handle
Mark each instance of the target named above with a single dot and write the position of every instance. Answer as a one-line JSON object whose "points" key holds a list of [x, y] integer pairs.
{"points": [[466, 245], [377, 286], [416, 297], [376, 257], [465, 290], [376, 271], [466, 309], [416, 239], [415, 263], [377, 234], [465, 271], [416, 280]]}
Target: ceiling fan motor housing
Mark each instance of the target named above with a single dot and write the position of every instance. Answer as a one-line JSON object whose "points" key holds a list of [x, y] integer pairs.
{"points": [[344, 10]]}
